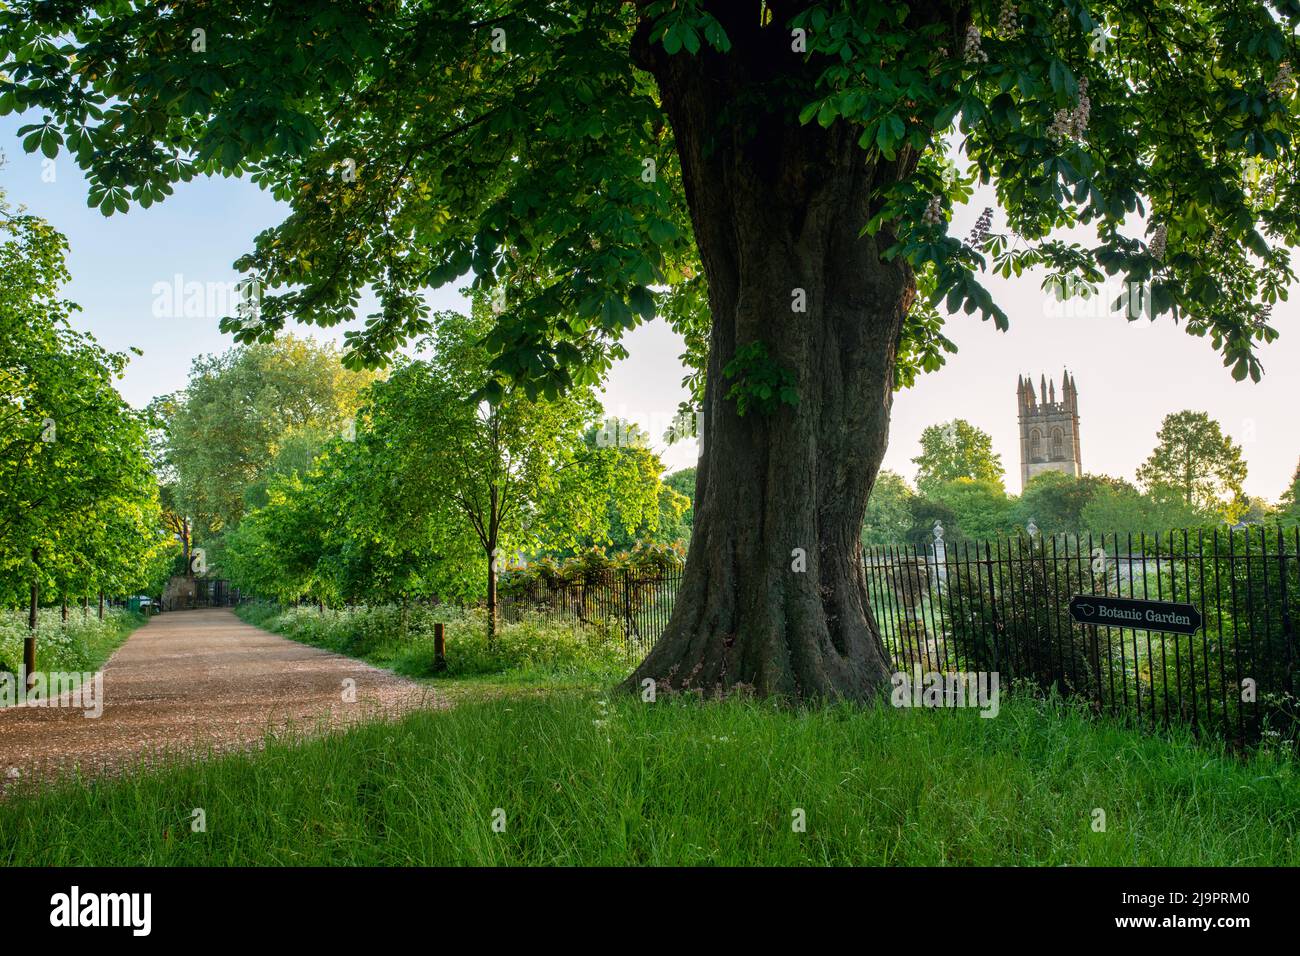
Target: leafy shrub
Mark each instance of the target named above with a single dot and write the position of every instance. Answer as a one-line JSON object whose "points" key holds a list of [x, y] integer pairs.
{"points": [[590, 566], [82, 644]]}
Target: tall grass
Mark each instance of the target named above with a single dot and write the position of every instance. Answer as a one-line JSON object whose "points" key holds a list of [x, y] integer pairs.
{"points": [[583, 780], [403, 640]]}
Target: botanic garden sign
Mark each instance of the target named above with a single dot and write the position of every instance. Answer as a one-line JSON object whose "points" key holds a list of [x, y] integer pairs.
{"points": [[1129, 612]]}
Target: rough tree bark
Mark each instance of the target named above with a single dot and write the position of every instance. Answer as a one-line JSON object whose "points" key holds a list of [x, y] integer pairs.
{"points": [[778, 207]]}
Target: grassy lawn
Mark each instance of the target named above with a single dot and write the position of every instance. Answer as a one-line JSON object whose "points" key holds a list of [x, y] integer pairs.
{"points": [[584, 778]]}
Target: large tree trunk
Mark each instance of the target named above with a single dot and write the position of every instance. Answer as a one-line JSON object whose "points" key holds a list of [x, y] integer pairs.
{"points": [[774, 594]]}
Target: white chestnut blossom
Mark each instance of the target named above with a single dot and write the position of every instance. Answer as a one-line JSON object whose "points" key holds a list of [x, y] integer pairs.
{"points": [[1008, 20], [1072, 124], [1158, 240], [1282, 82], [982, 227], [933, 214]]}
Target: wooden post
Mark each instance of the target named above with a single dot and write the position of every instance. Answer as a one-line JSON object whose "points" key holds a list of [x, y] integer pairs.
{"points": [[439, 647]]}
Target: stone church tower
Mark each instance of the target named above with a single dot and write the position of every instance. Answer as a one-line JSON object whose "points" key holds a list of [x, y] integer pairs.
{"points": [[1049, 429]]}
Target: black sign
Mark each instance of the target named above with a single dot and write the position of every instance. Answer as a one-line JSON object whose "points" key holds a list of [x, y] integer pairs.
{"points": [[1140, 615]]}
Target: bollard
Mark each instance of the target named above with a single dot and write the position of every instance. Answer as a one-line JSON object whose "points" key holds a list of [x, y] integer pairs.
{"points": [[439, 647]]}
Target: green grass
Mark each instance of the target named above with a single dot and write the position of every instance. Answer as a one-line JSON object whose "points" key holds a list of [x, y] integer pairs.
{"points": [[586, 779]]}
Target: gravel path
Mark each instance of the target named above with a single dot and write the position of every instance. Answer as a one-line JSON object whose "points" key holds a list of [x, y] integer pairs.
{"points": [[196, 681]]}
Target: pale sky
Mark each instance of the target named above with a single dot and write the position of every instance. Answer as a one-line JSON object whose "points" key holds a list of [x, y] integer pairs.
{"points": [[1129, 374]]}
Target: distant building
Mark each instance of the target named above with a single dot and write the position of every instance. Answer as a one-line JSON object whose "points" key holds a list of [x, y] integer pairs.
{"points": [[1049, 429]]}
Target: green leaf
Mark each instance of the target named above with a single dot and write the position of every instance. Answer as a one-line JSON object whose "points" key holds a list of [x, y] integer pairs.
{"points": [[672, 42], [50, 143]]}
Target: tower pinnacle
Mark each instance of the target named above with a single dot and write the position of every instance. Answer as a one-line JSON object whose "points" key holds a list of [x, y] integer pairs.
{"points": [[1049, 430]]}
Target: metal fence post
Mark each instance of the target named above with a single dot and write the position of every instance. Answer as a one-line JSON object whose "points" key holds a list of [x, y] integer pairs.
{"points": [[1288, 626], [627, 605]]}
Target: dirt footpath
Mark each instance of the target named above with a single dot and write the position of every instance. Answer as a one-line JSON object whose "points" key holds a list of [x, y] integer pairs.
{"points": [[194, 680]]}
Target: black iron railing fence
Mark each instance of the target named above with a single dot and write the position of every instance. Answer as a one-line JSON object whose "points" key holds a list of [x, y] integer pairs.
{"points": [[207, 592], [1004, 606], [634, 602]]}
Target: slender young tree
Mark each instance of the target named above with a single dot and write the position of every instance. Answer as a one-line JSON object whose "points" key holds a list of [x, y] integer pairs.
{"points": [[511, 471], [1198, 464], [593, 161]]}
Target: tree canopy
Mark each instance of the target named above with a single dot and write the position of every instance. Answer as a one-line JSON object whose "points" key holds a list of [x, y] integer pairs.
{"points": [[1198, 464], [80, 509], [246, 414], [416, 142], [889, 514], [956, 450], [1289, 503]]}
